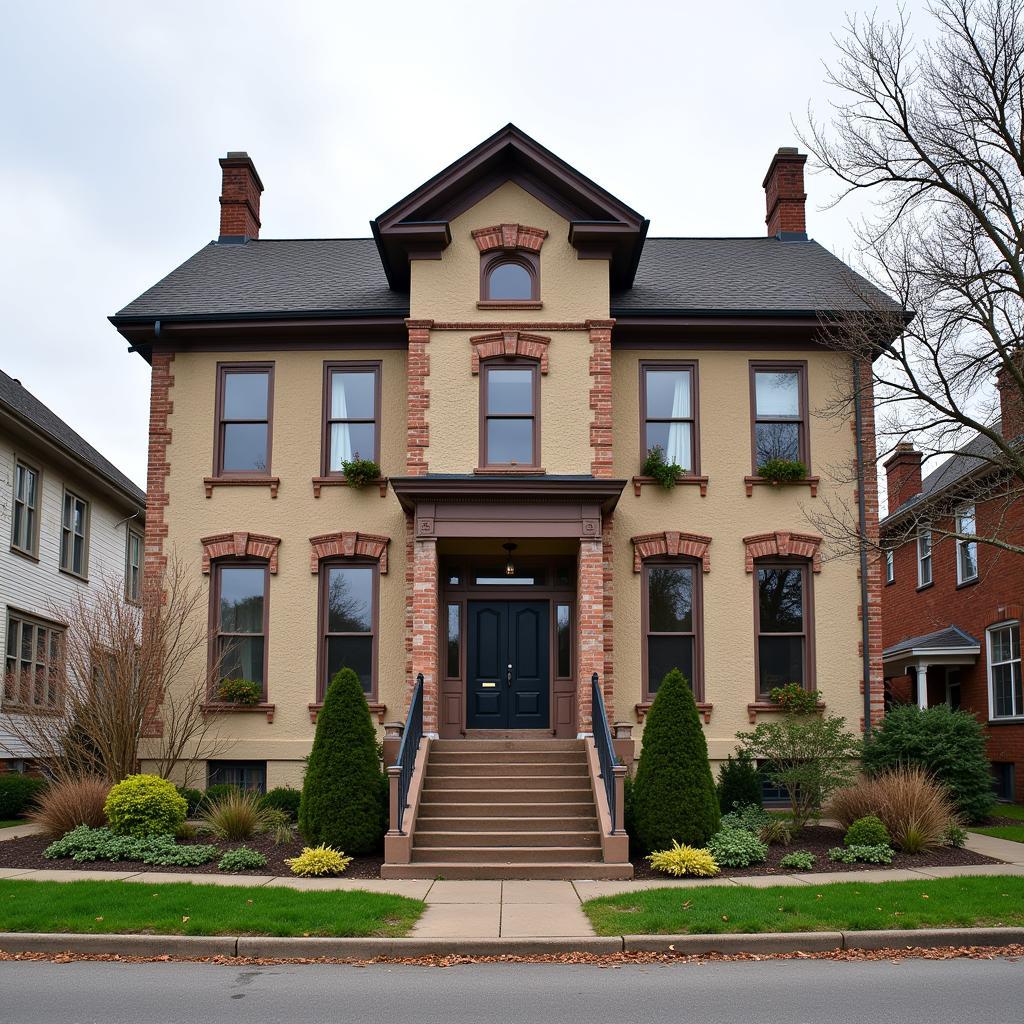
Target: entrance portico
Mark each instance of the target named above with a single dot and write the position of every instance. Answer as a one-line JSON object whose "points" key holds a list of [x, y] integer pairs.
{"points": [[946, 650]]}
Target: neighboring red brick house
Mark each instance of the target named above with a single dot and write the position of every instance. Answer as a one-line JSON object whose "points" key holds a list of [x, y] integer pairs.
{"points": [[952, 609]]}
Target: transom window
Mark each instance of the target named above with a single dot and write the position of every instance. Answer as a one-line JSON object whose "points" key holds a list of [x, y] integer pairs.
{"points": [[25, 531], [133, 566], [241, 623], [32, 664], [509, 414], [924, 556], [671, 616], [668, 398], [244, 401], [351, 415], [1007, 695], [966, 550], [509, 278], [74, 535], [780, 415], [783, 627], [348, 623]]}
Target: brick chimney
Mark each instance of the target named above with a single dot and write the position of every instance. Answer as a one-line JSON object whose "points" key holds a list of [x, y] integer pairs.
{"points": [[239, 198], [1011, 405], [785, 196], [902, 475]]}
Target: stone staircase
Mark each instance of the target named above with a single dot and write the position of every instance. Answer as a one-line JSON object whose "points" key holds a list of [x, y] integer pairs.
{"points": [[507, 808]]}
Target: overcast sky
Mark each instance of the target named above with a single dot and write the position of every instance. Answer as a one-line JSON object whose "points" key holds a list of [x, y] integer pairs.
{"points": [[114, 115]]}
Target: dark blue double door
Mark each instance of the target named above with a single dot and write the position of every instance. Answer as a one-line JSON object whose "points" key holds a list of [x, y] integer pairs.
{"points": [[509, 672]]}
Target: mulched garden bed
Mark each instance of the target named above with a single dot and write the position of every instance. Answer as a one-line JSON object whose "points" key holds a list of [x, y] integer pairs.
{"points": [[819, 839], [27, 852]]}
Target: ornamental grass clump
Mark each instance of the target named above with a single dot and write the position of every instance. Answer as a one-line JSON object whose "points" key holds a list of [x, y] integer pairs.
{"points": [[65, 804], [317, 861], [145, 805], [238, 815], [737, 848], [680, 860]]}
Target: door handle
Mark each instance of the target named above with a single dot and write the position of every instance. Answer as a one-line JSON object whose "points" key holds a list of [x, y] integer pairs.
{"points": [[509, 675]]}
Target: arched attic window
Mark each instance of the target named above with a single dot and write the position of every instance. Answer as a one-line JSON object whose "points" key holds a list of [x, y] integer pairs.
{"points": [[510, 277]]}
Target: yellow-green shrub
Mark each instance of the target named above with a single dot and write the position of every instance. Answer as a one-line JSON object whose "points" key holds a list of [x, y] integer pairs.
{"points": [[145, 805], [318, 860], [684, 860]]}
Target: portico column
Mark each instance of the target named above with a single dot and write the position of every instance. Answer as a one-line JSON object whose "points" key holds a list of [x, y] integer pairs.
{"points": [[922, 685], [590, 627], [424, 627]]}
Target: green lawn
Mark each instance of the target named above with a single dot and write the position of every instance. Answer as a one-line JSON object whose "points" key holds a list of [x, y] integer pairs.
{"points": [[854, 906], [185, 909], [1014, 832], [11, 822]]}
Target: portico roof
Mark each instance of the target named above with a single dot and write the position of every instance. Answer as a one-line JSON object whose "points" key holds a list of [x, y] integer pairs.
{"points": [[941, 645]]}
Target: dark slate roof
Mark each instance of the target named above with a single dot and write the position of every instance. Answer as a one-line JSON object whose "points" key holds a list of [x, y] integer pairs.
{"points": [[950, 638], [344, 276], [23, 405]]}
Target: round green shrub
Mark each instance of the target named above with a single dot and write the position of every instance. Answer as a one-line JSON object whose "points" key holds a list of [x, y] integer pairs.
{"points": [[949, 744], [739, 782], [242, 859], [343, 803], [145, 805], [192, 797], [737, 848], [286, 799], [867, 831], [18, 793], [673, 796]]}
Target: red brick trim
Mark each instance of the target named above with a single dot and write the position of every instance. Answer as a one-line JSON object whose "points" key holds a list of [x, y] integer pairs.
{"points": [[1004, 612], [601, 397], [671, 544], [417, 397], [424, 628], [509, 236], [240, 545], [349, 544], [509, 345], [783, 544], [590, 621]]}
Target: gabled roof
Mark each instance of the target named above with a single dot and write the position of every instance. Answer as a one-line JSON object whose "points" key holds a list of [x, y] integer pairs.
{"points": [[950, 639], [22, 405]]}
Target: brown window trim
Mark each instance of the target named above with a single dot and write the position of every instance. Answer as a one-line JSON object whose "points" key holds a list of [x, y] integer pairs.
{"points": [[214, 631], [321, 661], [676, 364], [529, 261], [67, 569], [782, 365], [507, 467], [810, 657], [697, 683], [37, 622], [364, 366], [129, 533], [31, 553], [219, 477]]}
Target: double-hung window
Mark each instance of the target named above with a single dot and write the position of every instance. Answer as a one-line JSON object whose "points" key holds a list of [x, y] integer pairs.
{"points": [[669, 401], [244, 402], [779, 400], [74, 535], [508, 414], [966, 550], [351, 415], [671, 618], [890, 565], [783, 612], [348, 617], [133, 566], [25, 529], [240, 623], [924, 556], [1006, 692], [32, 664]]}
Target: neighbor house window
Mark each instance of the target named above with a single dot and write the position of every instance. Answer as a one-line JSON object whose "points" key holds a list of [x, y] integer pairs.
{"points": [[1003, 781], [74, 535], [890, 566], [244, 402], [924, 556], [248, 775], [348, 616], [240, 623], [1007, 697], [351, 415], [668, 401], [779, 400], [133, 566], [966, 550], [25, 530], [32, 663], [671, 605], [510, 278], [783, 627], [508, 414]]}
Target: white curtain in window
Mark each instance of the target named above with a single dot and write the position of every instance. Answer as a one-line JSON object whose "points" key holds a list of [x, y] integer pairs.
{"points": [[678, 444], [341, 435]]}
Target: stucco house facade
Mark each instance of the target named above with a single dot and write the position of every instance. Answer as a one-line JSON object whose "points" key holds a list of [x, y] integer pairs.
{"points": [[507, 346]]}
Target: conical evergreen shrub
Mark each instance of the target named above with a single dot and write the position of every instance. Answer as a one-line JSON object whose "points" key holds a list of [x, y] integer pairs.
{"points": [[342, 804], [674, 794]]}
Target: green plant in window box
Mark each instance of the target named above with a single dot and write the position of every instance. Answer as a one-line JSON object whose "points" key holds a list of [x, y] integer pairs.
{"points": [[795, 700], [782, 471], [655, 466], [360, 472], [240, 691]]}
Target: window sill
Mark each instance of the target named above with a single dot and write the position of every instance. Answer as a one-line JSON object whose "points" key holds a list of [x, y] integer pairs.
{"points": [[340, 481], [273, 482], [74, 575], [639, 482], [380, 710], [223, 708], [750, 482], [510, 471], [702, 706], [762, 707], [22, 553], [974, 580], [924, 586], [1007, 720], [509, 304]]}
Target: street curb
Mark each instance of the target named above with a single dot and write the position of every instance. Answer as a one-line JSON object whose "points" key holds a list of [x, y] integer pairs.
{"points": [[269, 947]]}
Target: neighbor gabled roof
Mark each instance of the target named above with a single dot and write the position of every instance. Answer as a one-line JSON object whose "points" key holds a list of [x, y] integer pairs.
{"points": [[18, 402]]}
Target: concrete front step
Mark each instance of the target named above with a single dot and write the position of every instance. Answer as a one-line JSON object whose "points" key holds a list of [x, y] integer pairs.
{"points": [[538, 840], [513, 770], [505, 854], [546, 746], [488, 783], [499, 798], [590, 871], [502, 757], [506, 824], [443, 807]]}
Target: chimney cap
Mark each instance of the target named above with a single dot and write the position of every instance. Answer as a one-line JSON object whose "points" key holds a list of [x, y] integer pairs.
{"points": [[782, 151], [901, 451], [241, 154]]}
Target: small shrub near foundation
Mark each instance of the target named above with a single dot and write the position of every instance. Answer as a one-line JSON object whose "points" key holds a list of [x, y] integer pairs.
{"points": [[861, 854], [242, 859], [316, 861], [682, 860], [800, 860]]}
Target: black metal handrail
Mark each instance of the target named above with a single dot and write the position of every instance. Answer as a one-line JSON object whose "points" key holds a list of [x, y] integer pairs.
{"points": [[603, 741], [407, 751]]}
